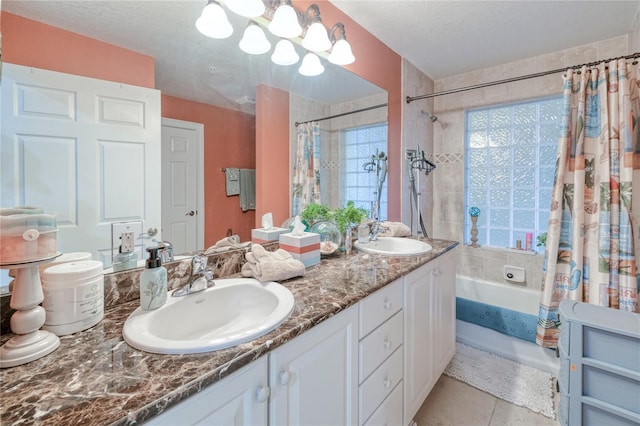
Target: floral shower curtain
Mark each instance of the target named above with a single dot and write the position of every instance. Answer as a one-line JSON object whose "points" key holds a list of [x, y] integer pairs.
{"points": [[306, 169], [592, 238]]}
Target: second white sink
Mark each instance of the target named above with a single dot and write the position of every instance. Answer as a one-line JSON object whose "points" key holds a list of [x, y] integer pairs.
{"points": [[394, 246], [233, 311]]}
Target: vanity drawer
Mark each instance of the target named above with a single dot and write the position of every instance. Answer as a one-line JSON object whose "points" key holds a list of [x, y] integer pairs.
{"points": [[390, 411], [378, 307], [380, 384], [378, 345]]}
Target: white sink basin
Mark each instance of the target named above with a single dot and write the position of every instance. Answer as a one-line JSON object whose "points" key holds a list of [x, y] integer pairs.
{"points": [[394, 246], [233, 311]]}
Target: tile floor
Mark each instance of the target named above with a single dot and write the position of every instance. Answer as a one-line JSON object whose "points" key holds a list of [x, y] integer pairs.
{"points": [[452, 402]]}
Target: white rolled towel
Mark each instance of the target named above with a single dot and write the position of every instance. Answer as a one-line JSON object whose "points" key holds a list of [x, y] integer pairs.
{"points": [[271, 266], [394, 229], [227, 243]]}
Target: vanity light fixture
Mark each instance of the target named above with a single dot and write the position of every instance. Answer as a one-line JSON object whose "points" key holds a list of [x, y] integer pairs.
{"points": [[316, 38], [285, 21], [213, 21], [285, 53], [311, 65], [341, 52], [246, 8], [254, 41]]}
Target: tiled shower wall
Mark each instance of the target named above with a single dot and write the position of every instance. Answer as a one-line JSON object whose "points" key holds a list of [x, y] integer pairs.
{"points": [[448, 145]]}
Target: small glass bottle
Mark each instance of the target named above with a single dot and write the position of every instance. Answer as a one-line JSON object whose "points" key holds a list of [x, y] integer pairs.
{"points": [[363, 232]]}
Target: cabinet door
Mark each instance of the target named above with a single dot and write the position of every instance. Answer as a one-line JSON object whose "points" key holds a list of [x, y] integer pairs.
{"points": [[443, 310], [419, 367], [314, 378], [240, 399]]}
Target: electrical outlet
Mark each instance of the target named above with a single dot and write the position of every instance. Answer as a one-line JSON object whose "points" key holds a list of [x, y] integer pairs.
{"points": [[128, 241]]}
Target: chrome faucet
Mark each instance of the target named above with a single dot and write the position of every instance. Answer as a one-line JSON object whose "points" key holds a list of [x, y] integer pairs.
{"points": [[201, 278], [375, 230], [165, 251]]}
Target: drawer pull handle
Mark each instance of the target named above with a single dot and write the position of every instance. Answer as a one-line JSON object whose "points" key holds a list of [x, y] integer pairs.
{"points": [[387, 343], [285, 377], [386, 382], [386, 305], [262, 393]]}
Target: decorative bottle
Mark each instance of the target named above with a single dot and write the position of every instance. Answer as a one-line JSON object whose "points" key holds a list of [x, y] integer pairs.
{"points": [[153, 282], [363, 231]]}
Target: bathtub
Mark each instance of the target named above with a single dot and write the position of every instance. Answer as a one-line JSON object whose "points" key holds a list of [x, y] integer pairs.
{"points": [[501, 319]]}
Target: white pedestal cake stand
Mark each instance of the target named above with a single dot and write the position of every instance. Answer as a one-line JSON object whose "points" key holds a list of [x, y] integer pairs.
{"points": [[30, 343]]}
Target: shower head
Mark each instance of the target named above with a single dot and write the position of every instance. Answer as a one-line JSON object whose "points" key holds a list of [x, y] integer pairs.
{"points": [[432, 117]]}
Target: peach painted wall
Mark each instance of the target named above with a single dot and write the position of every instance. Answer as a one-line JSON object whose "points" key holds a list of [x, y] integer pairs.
{"points": [[229, 141], [272, 154], [31, 43], [376, 63]]}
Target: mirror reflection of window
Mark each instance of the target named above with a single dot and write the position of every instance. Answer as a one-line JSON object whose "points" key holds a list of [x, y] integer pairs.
{"points": [[358, 146]]}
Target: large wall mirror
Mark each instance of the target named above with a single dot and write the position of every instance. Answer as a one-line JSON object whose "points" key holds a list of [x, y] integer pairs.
{"points": [[190, 66]]}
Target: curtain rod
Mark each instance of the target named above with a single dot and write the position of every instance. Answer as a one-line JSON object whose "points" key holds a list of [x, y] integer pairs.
{"points": [[343, 114], [511, 80]]}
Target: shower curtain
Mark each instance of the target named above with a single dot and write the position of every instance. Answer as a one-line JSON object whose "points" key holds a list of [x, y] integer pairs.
{"points": [[592, 237], [306, 169]]}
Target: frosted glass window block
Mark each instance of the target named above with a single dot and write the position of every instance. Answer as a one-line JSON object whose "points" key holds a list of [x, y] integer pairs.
{"points": [[524, 156], [477, 158], [499, 137], [477, 197], [500, 157], [351, 193], [544, 196], [365, 193], [353, 165], [500, 178], [500, 198], [365, 179], [551, 110], [524, 198], [500, 217], [478, 120], [548, 155], [524, 114], [524, 219], [351, 179], [350, 151], [499, 238], [550, 133], [478, 178], [547, 175], [524, 135], [524, 177], [350, 137], [543, 220], [363, 151], [500, 117], [478, 139]]}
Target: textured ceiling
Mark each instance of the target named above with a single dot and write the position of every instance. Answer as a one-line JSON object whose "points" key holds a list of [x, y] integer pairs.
{"points": [[441, 38], [446, 38]]}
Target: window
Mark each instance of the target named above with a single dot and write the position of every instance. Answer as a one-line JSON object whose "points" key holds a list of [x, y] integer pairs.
{"points": [[359, 144], [510, 154]]}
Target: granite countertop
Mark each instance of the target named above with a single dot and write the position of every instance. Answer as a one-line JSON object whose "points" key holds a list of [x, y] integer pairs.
{"points": [[95, 378]]}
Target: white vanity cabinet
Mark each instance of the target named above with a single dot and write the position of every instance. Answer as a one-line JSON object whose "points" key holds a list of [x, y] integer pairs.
{"points": [[429, 321], [240, 399], [314, 377], [380, 361]]}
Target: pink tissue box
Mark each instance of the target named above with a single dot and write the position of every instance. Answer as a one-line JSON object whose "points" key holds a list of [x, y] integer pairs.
{"points": [[305, 247]]}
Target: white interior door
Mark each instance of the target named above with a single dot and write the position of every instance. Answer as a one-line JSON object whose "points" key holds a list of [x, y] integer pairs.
{"points": [[183, 184], [85, 149]]}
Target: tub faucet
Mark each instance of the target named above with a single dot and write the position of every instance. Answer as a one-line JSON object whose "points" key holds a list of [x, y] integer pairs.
{"points": [[201, 278]]}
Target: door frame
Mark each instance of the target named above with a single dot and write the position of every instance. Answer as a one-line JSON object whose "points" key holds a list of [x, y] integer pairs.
{"points": [[199, 129]]}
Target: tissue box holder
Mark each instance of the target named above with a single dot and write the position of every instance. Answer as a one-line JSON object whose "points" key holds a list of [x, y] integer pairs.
{"points": [[261, 235], [305, 248]]}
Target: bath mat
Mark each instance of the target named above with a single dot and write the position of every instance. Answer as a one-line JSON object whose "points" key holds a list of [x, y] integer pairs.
{"points": [[508, 380]]}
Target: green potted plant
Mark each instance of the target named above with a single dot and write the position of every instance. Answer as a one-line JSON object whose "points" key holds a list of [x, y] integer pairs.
{"points": [[315, 212], [348, 216]]}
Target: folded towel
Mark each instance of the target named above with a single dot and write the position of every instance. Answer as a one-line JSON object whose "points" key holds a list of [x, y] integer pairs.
{"points": [[394, 229], [227, 243], [271, 266]]}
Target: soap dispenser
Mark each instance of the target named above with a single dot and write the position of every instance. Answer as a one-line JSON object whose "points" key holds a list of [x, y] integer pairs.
{"points": [[153, 282]]}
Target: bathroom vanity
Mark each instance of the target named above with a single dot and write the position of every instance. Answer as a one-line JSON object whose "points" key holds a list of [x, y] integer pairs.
{"points": [[367, 340]]}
